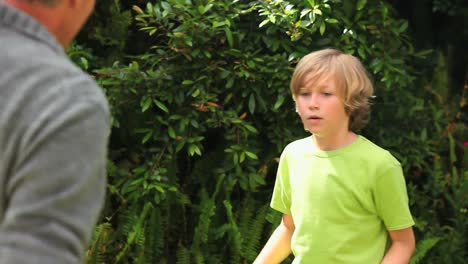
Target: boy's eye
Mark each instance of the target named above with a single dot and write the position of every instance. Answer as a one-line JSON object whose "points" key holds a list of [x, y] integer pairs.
{"points": [[327, 93], [304, 94]]}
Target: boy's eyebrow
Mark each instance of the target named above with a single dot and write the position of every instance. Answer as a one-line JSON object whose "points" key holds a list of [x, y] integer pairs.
{"points": [[322, 86]]}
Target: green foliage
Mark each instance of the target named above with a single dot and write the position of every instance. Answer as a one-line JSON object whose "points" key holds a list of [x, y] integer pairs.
{"points": [[423, 247], [201, 111]]}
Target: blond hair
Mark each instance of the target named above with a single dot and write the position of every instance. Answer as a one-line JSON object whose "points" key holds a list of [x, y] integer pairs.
{"points": [[351, 79]]}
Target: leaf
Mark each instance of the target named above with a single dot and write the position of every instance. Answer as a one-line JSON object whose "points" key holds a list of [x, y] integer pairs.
{"points": [[235, 158], [147, 137], [171, 132], [264, 22], [207, 8], [278, 103], [191, 149], [134, 65], [161, 106], [361, 52], [251, 129], [252, 103], [201, 9], [229, 84], [404, 26], [229, 37], [423, 135], [137, 9], [196, 93], [180, 145], [360, 4], [166, 6], [304, 12], [189, 41], [322, 28], [422, 54], [194, 123], [251, 155], [218, 24], [146, 104], [242, 157], [149, 7]]}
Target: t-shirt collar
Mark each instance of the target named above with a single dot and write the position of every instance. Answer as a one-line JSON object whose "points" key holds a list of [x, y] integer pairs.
{"points": [[27, 25]]}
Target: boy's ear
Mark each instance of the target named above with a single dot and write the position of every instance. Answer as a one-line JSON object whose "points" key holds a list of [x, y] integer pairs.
{"points": [[297, 110]]}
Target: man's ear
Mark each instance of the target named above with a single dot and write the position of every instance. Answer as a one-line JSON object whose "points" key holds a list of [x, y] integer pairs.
{"points": [[72, 3]]}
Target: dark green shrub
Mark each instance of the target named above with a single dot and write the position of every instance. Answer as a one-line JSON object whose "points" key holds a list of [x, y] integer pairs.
{"points": [[201, 107]]}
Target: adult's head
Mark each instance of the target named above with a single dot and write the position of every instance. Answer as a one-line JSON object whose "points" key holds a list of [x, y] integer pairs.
{"points": [[63, 18], [352, 81]]}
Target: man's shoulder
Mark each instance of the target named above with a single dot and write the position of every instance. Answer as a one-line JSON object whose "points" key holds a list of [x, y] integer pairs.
{"points": [[47, 86], [44, 72]]}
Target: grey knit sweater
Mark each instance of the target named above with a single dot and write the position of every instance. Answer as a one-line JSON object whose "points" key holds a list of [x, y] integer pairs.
{"points": [[54, 127]]}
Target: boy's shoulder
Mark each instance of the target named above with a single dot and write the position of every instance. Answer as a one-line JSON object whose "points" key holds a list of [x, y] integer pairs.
{"points": [[374, 153], [362, 149], [299, 145]]}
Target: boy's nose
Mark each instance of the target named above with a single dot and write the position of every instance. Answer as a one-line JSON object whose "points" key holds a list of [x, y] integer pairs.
{"points": [[313, 102]]}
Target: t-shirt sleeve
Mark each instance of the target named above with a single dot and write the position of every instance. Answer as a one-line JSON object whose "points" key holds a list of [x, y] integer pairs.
{"points": [[281, 199], [391, 199]]}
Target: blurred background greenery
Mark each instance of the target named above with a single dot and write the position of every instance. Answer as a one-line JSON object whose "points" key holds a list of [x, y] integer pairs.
{"points": [[201, 111]]}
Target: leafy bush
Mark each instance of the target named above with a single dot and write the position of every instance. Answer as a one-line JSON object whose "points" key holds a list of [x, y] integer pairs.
{"points": [[201, 111]]}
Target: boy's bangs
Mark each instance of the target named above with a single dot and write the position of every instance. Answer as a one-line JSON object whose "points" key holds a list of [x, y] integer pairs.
{"points": [[316, 76]]}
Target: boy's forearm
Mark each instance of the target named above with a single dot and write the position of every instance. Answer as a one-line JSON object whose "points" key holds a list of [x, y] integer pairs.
{"points": [[403, 244], [277, 248], [398, 253]]}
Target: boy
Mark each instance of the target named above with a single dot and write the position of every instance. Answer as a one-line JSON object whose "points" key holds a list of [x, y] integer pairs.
{"points": [[341, 195]]}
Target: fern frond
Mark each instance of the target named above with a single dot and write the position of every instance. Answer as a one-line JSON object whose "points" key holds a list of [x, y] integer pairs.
{"points": [[183, 255], [422, 248], [207, 210], [97, 250], [251, 245], [234, 235], [246, 215], [135, 234], [154, 237]]}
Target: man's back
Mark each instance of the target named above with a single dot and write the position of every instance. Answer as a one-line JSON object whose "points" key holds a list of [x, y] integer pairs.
{"points": [[54, 126]]}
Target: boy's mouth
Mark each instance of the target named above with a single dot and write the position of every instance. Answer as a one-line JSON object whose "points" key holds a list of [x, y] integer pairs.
{"points": [[314, 117]]}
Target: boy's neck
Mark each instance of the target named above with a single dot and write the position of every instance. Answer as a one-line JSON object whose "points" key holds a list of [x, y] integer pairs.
{"points": [[333, 143]]}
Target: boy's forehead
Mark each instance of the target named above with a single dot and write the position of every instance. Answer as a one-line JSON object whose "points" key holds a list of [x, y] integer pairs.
{"points": [[315, 80]]}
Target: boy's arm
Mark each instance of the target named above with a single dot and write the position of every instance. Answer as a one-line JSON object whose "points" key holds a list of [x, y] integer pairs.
{"points": [[278, 246], [402, 247]]}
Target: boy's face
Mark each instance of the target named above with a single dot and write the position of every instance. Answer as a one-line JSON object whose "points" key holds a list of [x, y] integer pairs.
{"points": [[321, 108]]}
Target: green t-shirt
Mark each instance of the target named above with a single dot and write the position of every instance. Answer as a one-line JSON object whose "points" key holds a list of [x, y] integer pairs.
{"points": [[342, 201]]}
